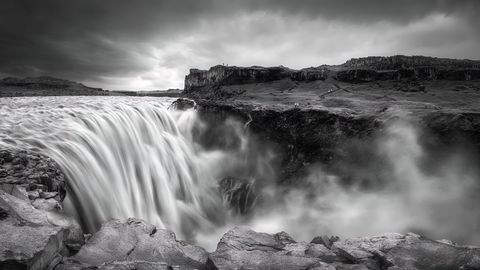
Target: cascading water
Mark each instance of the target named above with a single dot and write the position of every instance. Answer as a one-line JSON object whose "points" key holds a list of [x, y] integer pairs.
{"points": [[133, 157], [123, 158]]}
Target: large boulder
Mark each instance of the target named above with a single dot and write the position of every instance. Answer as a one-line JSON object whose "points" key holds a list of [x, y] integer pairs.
{"points": [[241, 248], [136, 240], [31, 238]]}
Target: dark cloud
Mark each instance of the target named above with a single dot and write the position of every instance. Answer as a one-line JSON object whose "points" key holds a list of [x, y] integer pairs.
{"points": [[153, 43]]}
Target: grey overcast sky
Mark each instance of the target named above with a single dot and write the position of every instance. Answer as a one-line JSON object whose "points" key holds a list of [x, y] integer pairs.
{"points": [[147, 45]]}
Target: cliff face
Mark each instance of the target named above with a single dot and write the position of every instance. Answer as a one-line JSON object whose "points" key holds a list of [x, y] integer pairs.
{"points": [[356, 70], [225, 75]]}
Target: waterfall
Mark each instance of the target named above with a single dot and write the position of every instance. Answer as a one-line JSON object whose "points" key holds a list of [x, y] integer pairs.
{"points": [[123, 157]]}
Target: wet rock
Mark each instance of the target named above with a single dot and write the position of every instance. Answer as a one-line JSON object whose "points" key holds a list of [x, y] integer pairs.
{"points": [[183, 104], [238, 194], [47, 204], [48, 195], [36, 172], [133, 240], [324, 240]]}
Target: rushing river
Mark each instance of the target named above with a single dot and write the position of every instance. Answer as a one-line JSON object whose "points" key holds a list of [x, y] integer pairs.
{"points": [[135, 157]]}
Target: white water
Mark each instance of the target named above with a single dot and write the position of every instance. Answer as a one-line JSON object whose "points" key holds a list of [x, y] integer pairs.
{"points": [[123, 157], [133, 157]]}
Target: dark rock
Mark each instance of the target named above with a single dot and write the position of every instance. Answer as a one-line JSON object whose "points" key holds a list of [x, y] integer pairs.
{"points": [[3, 213], [134, 240], [183, 104], [324, 240], [37, 172], [238, 194]]}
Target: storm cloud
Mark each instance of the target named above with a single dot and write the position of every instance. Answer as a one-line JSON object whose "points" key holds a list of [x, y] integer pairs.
{"points": [[152, 44]]}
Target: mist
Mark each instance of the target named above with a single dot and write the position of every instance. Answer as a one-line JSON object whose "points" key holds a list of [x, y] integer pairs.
{"points": [[399, 186]]}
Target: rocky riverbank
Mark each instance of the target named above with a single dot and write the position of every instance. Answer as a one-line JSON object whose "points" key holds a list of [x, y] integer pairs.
{"points": [[36, 239]]}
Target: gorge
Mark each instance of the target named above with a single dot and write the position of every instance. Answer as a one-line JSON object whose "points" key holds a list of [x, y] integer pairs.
{"points": [[371, 164]]}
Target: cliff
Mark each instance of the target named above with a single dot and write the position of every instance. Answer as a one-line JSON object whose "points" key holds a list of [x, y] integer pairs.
{"points": [[356, 70]]}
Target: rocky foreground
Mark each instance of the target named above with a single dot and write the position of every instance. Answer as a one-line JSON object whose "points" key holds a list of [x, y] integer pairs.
{"points": [[33, 238], [34, 234]]}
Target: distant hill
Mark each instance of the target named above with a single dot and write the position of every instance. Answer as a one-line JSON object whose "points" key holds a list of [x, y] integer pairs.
{"points": [[46, 86]]}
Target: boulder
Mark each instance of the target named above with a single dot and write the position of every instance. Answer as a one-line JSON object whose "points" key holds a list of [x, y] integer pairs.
{"points": [[241, 248], [136, 240], [183, 104], [429, 254], [32, 238]]}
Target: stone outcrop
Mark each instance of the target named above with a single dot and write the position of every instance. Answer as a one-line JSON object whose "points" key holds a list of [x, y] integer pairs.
{"points": [[134, 240], [37, 176]]}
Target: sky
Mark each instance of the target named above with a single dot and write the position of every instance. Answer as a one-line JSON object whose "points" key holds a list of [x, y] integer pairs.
{"points": [[151, 45]]}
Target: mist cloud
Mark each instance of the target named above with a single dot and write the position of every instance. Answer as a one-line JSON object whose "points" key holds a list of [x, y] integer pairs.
{"points": [[152, 44]]}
